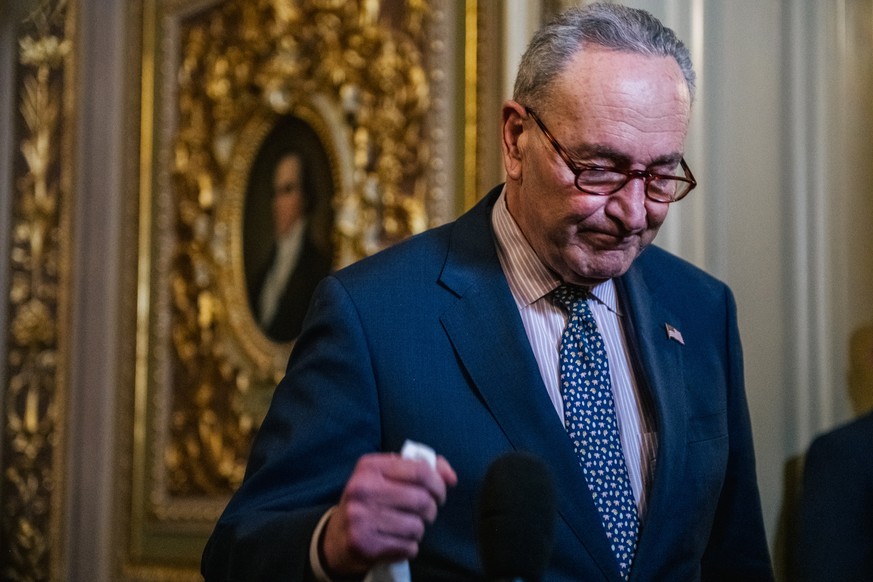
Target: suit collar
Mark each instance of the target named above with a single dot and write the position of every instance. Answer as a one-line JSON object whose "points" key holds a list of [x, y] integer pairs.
{"points": [[658, 360]]}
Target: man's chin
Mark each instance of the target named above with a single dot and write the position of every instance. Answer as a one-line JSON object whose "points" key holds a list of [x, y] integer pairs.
{"points": [[607, 265]]}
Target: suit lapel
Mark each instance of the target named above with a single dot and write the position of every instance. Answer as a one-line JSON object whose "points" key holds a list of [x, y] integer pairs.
{"points": [[659, 367], [489, 338]]}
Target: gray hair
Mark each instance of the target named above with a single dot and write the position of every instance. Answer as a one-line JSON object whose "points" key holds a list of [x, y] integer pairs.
{"points": [[610, 26]]}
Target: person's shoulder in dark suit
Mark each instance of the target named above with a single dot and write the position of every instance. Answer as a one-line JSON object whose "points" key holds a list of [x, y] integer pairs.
{"points": [[835, 512]]}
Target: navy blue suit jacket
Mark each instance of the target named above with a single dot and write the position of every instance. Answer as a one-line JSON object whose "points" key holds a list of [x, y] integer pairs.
{"points": [[423, 341], [835, 512]]}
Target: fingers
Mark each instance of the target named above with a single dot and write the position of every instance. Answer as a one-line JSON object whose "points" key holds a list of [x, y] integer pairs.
{"points": [[388, 534], [414, 474], [383, 511], [446, 472]]}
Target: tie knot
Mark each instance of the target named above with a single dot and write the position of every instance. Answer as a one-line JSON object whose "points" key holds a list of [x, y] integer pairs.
{"points": [[570, 296]]}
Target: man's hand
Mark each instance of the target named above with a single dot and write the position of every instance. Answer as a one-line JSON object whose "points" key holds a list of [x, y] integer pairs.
{"points": [[383, 511]]}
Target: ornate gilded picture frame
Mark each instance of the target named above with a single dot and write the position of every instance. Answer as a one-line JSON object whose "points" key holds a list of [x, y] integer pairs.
{"points": [[373, 98]]}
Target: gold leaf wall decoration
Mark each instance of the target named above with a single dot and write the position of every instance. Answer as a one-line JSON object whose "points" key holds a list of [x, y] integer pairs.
{"points": [[33, 437]]}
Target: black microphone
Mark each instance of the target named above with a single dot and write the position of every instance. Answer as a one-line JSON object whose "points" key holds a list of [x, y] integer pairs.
{"points": [[517, 509]]}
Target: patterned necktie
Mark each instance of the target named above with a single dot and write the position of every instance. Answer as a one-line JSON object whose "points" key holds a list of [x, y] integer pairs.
{"points": [[591, 423]]}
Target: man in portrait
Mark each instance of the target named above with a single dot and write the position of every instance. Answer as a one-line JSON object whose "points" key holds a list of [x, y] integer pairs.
{"points": [[279, 293]]}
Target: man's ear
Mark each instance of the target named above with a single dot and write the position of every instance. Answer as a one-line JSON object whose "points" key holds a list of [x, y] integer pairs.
{"points": [[512, 129]]}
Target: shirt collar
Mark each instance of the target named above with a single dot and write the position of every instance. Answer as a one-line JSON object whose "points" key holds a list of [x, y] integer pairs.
{"points": [[529, 279], [288, 244]]}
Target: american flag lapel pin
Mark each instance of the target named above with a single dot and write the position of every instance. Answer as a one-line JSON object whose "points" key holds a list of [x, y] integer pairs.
{"points": [[674, 334]]}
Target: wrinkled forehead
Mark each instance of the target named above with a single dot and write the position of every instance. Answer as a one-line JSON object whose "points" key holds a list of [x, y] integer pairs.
{"points": [[596, 69], [621, 82], [623, 102]]}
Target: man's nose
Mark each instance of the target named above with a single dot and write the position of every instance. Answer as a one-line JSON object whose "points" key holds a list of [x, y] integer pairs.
{"points": [[628, 205]]}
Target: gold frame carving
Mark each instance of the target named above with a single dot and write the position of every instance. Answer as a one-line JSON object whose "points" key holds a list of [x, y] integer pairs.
{"points": [[35, 396], [216, 77]]}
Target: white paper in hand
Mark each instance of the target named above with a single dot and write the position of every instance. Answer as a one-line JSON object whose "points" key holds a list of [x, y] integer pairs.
{"points": [[399, 571]]}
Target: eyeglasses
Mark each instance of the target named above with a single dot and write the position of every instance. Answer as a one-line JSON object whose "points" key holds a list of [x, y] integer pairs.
{"points": [[603, 181]]}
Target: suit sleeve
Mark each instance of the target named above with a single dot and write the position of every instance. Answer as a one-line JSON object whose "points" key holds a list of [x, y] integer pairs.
{"points": [[323, 417], [737, 549]]}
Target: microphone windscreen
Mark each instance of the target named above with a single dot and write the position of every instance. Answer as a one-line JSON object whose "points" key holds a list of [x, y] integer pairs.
{"points": [[516, 525]]}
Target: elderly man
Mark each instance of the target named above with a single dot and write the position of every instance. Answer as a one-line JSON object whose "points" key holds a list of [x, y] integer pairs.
{"points": [[539, 321]]}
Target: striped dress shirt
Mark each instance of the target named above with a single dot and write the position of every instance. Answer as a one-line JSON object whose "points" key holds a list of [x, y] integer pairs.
{"points": [[530, 282]]}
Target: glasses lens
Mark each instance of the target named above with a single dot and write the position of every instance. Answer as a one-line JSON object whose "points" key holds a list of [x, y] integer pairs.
{"points": [[600, 181], [605, 182], [665, 189]]}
